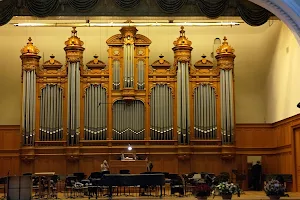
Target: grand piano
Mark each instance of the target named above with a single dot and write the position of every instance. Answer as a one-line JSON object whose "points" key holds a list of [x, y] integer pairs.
{"points": [[137, 180]]}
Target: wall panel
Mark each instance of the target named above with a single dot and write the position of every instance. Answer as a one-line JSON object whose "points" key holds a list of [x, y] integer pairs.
{"points": [[272, 141]]}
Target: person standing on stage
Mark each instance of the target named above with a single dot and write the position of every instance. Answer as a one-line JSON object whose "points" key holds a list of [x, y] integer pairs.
{"points": [[256, 176], [104, 166], [149, 165]]}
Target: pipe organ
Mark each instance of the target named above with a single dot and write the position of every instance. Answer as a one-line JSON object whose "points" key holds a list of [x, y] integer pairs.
{"points": [[128, 99], [30, 62]]}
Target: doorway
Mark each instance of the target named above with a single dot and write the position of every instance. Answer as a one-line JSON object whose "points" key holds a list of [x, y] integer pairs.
{"points": [[251, 161]]}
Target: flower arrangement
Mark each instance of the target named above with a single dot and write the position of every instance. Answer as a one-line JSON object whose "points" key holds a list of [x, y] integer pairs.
{"points": [[226, 188], [202, 190], [274, 188]]}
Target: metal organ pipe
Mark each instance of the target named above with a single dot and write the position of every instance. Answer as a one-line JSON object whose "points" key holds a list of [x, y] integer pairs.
{"points": [[223, 124], [132, 65], [187, 99], [51, 113], [27, 108], [125, 66], [128, 121], [73, 103], [204, 112], [227, 113], [183, 102], [161, 126], [179, 101], [29, 102], [95, 113], [140, 68], [116, 75], [128, 65]]}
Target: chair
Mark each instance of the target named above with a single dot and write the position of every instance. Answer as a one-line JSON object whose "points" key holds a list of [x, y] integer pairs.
{"points": [[176, 184], [80, 176], [69, 186]]}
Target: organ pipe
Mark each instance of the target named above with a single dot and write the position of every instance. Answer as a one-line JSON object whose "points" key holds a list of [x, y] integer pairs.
{"points": [[30, 62], [128, 120], [51, 112], [128, 65], [161, 101], [74, 50], [205, 127], [116, 75], [182, 54], [140, 82], [29, 103], [95, 113], [73, 103], [225, 59], [183, 118]]}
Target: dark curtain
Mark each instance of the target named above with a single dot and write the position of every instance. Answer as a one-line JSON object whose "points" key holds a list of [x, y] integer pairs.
{"points": [[82, 5], [254, 17], [212, 9], [171, 6], [251, 13], [42, 8], [7, 11], [127, 4]]}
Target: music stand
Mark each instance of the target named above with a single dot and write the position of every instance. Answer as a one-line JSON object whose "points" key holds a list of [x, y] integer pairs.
{"points": [[44, 178]]}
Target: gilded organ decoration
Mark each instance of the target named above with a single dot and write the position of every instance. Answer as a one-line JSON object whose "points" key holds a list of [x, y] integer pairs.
{"points": [[127, 98]]}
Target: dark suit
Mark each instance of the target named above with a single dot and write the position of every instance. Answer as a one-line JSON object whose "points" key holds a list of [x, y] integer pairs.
{"points": [[256, 176]]}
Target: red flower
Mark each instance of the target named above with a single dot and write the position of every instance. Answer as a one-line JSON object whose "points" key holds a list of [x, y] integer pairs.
{"points": [[202, 189]]}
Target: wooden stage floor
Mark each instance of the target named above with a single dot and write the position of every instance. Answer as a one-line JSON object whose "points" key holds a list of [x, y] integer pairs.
{"points": [[248, 195]]}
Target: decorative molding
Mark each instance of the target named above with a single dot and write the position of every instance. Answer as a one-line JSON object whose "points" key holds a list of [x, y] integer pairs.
{"points": [[285, 14]]}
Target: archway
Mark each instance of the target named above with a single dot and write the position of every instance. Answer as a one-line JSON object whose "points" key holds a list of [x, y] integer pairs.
{"points": [[286, 10]]}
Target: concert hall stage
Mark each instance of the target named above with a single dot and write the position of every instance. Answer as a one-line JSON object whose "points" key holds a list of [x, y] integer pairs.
{"points": [[248, 195]]}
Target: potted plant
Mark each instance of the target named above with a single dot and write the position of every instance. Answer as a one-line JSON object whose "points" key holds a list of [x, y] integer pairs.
{"points": [[226, 190], [274, 189], [202, 191]]}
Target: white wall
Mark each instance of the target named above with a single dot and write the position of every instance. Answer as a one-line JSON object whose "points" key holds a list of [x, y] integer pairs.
{"points": [[283, 78], [253, 47]]}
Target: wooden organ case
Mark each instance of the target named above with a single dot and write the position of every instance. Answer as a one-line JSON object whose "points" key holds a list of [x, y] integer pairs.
{"points": [[79, 111]]}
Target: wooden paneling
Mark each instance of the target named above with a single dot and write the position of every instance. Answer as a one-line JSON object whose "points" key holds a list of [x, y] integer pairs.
{"points": [[9, 165], [277, 143], [10, 137], [297, 158], [57, 164], [255, 136]]}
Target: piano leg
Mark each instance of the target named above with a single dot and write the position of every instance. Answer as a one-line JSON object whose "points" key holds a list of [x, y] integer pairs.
{"points": [[110, 192], [161, 191]]}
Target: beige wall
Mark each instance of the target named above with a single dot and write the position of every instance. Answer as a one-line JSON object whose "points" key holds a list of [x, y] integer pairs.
{"points": [[283, 80], [253, 50]]}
